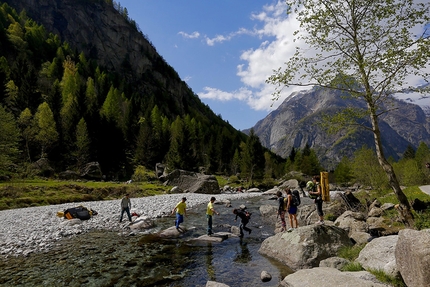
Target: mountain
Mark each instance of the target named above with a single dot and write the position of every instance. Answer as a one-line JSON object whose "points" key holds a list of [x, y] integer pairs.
{"points": [[105, 35], [295, 123], [86, 85]]}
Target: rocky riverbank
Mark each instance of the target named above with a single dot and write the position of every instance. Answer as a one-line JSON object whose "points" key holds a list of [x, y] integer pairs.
{"points": [[38, 229]]}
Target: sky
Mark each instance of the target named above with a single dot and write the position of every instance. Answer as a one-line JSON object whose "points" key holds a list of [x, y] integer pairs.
{"points": [[224, 50]]}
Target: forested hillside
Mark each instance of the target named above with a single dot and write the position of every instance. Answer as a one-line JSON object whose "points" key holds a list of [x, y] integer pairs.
{"points": [[60, 104]]}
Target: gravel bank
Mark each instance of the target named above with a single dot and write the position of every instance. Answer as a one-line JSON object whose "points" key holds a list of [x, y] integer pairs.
{"points": [[38, 229]]}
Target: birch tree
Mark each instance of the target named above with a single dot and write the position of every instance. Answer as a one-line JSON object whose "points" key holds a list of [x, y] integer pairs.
{"points": [[368, 48]]}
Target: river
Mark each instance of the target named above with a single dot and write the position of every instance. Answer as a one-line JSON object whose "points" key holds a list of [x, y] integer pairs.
{"points": [[107, 258]]}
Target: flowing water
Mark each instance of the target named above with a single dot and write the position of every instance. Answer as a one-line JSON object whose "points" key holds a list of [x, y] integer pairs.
{"points": [[103, 258]]}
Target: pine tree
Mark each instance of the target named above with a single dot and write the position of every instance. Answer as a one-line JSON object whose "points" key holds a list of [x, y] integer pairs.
{"points": [[46, 134], [83, 144], [9, 136]]}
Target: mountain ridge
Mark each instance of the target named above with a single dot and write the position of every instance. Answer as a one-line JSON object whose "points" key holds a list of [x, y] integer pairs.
{"points": [[295, 123]]}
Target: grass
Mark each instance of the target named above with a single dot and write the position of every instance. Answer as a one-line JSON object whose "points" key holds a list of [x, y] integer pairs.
{"points": [[350, 252], [422, 219], [385, 278], [388, 196], [353, 267], [38, 192]]}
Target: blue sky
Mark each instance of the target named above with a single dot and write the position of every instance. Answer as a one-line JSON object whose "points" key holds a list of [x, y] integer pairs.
{"points": [[224, 49], [211, 44]]}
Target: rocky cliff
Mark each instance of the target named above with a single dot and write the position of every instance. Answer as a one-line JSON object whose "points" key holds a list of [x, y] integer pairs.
{"points": [[102, 33], [296, 123]]}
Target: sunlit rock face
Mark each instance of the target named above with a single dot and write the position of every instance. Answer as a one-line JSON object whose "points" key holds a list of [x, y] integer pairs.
{"points": [[296, 122]]}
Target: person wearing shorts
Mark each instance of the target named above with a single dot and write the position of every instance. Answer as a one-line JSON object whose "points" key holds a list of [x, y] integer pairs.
{"points": [[292, 210]]}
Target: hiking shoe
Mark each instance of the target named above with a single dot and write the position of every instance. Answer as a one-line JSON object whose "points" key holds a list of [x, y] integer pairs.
{"points": [[250, 231], [290, 229], [321, 222]]}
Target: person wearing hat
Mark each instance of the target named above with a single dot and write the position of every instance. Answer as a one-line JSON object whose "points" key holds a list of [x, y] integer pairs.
{"points": [[209, 212], [181, 211]]}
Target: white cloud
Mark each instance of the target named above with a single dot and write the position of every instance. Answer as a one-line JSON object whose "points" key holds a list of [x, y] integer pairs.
{"points": [[216, 94], [222, 38], [261, 61], [193, 35]]}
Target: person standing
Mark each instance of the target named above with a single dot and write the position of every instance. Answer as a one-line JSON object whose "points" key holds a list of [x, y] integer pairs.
{"points": [[125, 207], [244, 217], [291, 209], [209, 212], [181, 211], [281, 210], [317, 192]]}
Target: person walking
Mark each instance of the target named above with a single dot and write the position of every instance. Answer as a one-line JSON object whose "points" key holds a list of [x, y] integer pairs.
{"points": [[244, 217], [317, 194], [125, 207], [281, 210], [181, 211], [292, 210], [209, 212]]}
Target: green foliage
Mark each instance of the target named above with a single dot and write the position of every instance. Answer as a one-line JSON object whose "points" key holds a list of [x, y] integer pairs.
{"points": [[83, 144], [25, 193], [422, 220], [409, 172], [253, 161], [367, 66], [409, 152], [343, 172], [367, 171], [352, 267], [141, 174], [119, 120], [350, 252], [9, 136], [385, 278], [46, 131]]}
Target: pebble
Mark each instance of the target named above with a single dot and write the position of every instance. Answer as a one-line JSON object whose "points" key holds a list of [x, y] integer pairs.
{"points": [[36, 229]]}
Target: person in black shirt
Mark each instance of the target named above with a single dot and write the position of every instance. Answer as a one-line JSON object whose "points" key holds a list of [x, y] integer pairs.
{"points": [[244, 216]]}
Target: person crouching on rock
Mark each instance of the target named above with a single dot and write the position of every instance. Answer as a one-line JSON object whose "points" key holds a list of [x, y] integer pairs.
{"points": [[125, 207], [181, 211], [244, 217]]}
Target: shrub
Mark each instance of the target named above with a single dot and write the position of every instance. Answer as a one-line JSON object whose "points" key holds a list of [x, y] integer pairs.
{"points": [[141, 174], [422, 220]]}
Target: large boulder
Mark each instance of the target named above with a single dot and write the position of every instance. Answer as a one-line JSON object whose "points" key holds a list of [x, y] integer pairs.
{"points": [[306, 246], [141, 223], [378, 254], [42, 167], [330, 277], [69, 175], [92, 171], [352, 222], [193, 182], [413, 257]]}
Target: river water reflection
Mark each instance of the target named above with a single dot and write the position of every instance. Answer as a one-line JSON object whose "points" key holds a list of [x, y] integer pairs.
{"points": [[104, 258]]}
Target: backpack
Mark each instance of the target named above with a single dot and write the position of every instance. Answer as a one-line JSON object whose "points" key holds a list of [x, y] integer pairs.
{"points": [[312, 187], [296, 197]]}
